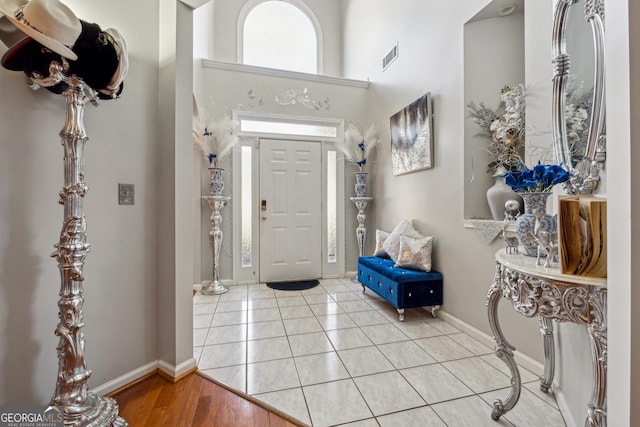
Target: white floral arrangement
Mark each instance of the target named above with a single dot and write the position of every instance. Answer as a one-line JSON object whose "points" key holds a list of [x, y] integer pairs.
{"points": [[214, 140], [358, 144], [504, 127]]}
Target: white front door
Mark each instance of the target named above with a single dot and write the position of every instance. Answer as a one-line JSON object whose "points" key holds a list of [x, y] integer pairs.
{"points": [[290, 210]]}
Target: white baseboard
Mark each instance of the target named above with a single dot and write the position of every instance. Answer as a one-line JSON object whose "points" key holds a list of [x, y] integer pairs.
{"points": [[332, 276], [561, 400], [521, 359], [125, 379], [131, 376], [240, 282], [351, 274], [177, 371]]}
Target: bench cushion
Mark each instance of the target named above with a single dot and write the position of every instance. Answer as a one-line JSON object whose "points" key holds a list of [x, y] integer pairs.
{"points": [[400, 275], [401, 287]]}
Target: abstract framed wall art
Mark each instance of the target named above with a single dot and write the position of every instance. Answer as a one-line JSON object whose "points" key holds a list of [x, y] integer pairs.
{"points": [[412, 137]]}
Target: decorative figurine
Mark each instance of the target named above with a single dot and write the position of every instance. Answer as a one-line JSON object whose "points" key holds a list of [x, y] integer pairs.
{"points": [[511, 210], [511, 242], [546, 241]]}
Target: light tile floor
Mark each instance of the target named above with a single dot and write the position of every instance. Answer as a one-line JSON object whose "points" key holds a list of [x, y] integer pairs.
{"points": [[332, 355]]}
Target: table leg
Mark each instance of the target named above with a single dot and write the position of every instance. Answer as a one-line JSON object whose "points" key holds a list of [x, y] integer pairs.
{"points": [[433, 310], [546, 328], [597, 412], [503, 350]]}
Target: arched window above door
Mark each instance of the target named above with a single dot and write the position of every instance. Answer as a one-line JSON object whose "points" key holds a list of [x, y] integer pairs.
{"points": [[283, 34]]}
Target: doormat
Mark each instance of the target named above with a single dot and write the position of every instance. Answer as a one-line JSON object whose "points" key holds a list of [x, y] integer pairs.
{"points": [[296, 285]]}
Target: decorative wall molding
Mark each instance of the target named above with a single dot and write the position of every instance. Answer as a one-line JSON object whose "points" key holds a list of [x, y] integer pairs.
{"points": [[273, 72]]}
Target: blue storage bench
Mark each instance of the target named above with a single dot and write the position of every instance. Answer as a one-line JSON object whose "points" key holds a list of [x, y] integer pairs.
{"points": [[401, 287]]}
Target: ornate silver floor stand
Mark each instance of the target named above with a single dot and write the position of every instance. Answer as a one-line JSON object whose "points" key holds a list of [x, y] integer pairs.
{"points": [[215, 287], [361, 217], [545, 292], [81, 408]]}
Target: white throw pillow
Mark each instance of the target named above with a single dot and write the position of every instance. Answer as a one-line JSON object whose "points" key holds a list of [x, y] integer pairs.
{"points": [[392, 244], [415, 253], [381, 236]]}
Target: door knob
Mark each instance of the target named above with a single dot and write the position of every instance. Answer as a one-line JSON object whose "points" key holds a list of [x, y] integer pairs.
{"points": [[264, 218]]}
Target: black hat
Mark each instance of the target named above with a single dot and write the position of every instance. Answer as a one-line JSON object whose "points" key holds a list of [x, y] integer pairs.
{"points": [[97, 57], [31, 57]]}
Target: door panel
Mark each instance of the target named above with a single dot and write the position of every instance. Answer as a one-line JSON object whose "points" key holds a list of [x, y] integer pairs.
{"points": [[290, 225]]}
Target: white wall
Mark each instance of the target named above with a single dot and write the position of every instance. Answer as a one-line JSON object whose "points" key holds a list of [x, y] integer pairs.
{"points": [[227, 90], [120, 310], [174, 209], [430, 36]]}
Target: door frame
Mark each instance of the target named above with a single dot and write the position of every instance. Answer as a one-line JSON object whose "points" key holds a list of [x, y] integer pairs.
{"points": [[251, 140]]}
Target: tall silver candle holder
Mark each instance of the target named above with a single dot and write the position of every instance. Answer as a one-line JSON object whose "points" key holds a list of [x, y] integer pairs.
{"points": [[361, 217], [80, 407], [216, 201]]}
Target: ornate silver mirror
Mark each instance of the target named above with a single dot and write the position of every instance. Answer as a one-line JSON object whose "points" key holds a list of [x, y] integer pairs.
{"points": [[578, 94]]}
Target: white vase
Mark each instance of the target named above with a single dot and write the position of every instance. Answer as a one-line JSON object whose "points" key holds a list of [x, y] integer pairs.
{"points": [[361, 184], [499, 194], [216, 183]]}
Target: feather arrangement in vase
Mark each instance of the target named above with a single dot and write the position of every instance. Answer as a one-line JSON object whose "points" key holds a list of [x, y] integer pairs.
{"points": [[358, 144], [214, 140]]}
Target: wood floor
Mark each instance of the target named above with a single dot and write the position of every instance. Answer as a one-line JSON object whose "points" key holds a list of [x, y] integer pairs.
{"points": [[193, 401]]}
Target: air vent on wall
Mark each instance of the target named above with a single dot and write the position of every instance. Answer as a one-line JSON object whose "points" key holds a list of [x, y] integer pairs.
{"points": [[390, 57]]}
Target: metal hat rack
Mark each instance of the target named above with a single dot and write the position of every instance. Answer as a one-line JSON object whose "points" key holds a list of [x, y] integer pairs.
{"points": [[80, 407]]}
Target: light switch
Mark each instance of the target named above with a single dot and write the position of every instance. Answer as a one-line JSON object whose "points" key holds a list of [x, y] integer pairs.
{"points": [[125, 194]]}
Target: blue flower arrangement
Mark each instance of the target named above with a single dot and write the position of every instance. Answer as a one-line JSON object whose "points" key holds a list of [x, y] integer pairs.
{"points": [[541, 178]]}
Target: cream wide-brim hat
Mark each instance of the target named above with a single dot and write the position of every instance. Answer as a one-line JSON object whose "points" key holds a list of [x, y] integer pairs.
{"points": [[50, 22]]}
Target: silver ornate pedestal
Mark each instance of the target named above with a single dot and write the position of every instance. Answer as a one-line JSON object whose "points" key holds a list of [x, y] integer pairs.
{"points": [[361, 217], [215, 287], [545, 292], [80, 407]]}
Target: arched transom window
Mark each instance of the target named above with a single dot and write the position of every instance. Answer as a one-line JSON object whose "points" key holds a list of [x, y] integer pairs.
{"points": [[280, 34]]}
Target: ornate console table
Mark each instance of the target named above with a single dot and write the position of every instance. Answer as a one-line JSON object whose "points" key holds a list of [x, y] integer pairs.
{"points": [[545, 292]]}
